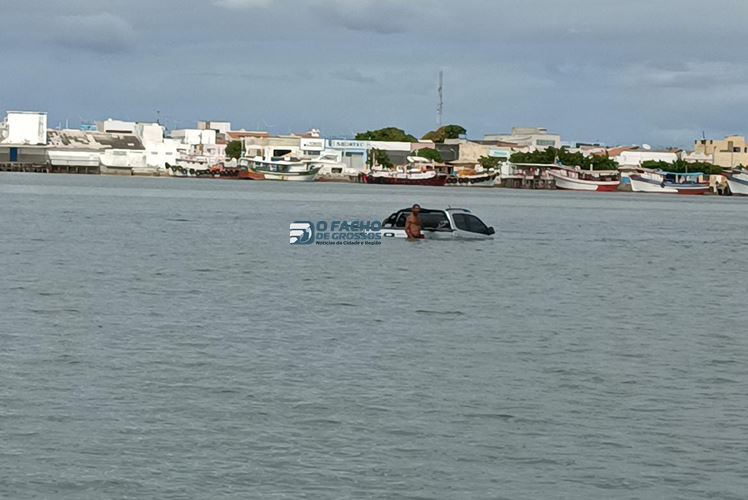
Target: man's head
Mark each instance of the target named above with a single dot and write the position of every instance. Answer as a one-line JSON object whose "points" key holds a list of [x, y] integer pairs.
{"points": [[416, 209]]}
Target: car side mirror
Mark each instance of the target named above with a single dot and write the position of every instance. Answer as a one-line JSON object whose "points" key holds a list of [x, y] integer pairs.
{"points": [[491, 230]]}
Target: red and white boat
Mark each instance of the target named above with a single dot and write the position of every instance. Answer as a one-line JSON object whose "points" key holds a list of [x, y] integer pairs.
{"points": [[575, 179]]}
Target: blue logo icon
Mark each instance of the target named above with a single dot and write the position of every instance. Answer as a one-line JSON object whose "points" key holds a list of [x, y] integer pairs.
{"points": [[301, 233]]}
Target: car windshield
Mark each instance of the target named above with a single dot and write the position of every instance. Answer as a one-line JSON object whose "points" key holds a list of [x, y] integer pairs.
{"points": [[429, 220], [470, 223]]}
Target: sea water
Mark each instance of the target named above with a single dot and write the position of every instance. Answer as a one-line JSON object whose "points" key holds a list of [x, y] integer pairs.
{"points": [[160, 338]]}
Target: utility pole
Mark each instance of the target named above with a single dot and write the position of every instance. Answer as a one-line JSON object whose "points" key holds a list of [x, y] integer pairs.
{"points": [[440, 108]]}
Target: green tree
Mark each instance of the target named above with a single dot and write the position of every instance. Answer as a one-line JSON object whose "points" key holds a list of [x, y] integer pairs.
{"points": [[234, 149], [446, 132], [379, 157], [489, 161], [565, 157], [682, 166], [386, 134], [431, 154]]}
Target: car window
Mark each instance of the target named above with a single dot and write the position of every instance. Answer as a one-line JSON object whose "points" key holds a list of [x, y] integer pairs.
{"points": [[434, 220], [471, 223], [429, 220], [401, 219]]}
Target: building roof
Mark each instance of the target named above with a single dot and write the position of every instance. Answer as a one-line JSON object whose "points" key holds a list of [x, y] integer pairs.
{"points": [[78, 139], [240, 134]]}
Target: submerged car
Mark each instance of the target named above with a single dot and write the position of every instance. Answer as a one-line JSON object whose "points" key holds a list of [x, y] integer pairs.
{"points": [[446, 224]]}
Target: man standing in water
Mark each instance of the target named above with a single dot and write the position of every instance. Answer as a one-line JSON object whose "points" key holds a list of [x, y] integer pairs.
{"points": [[413, 224]]}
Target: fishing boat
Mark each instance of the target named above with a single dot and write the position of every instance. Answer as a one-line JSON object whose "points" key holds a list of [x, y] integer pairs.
{"points": [[439, 224], [277, 169], [657, 181], [576, 179], [332, 169], [474, 178], [418, 172], [738, 182]]}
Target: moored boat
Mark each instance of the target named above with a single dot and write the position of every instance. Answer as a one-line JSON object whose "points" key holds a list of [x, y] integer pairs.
{"points": [[473, 178], [575, 179], [738, 182], [418, 172], [669, 182], [332, 169], [278, 170]]}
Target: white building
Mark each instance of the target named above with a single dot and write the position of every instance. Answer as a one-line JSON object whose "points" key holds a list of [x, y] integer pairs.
{"points": [[312, 147], [639, 156], [159, 151], [199, 148], [534, 138], [220, 127], [122, 154], [24, 128], [111, 126], [194, 137]]}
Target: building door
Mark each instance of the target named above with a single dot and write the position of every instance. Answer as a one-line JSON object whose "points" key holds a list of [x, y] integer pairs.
{"points": [[13, 154]]}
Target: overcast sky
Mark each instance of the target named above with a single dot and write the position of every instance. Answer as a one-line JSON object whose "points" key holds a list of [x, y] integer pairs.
{"points": [[623, 71]]}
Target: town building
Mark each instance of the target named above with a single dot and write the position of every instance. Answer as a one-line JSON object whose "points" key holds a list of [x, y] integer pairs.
{"points": [[160, 152], [732, 151], [221, 128], [635, 157], [354, 154], [95, 152], [23, 138], [533, 138], [111, 126]]}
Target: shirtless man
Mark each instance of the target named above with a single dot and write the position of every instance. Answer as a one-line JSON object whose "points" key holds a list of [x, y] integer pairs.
{"points": [[413, 224]]}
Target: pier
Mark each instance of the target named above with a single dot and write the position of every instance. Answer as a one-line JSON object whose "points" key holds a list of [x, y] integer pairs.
{"points": [[48, 168]]}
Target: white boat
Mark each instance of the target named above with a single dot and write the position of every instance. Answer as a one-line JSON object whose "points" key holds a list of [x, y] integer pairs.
{"points": [[668, 182], [575, 179], [738, 183], [331, 169], [440, 224], [277, 170]]}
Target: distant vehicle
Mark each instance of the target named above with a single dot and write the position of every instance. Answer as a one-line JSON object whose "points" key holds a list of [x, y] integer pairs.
{"points": [[440, 224]]}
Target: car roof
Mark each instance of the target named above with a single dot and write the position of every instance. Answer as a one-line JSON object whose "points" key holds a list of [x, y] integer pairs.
{"points": [[430, 210]]}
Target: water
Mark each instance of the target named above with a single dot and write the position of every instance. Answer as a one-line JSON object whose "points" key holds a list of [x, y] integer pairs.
{"points": [[159, 338]]}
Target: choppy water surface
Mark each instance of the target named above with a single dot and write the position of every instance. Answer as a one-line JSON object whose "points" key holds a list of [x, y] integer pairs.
{"points": [[160, 338]]}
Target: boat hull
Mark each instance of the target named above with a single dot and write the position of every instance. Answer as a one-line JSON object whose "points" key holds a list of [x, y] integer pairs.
{"points": [[473, 181], [569, 184], [738, 184], [438, 180], [640, 184], [259, 175]]}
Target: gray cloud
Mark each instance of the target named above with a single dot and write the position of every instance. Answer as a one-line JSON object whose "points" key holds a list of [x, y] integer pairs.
{"points": [[101, 33], [634, 71]]}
